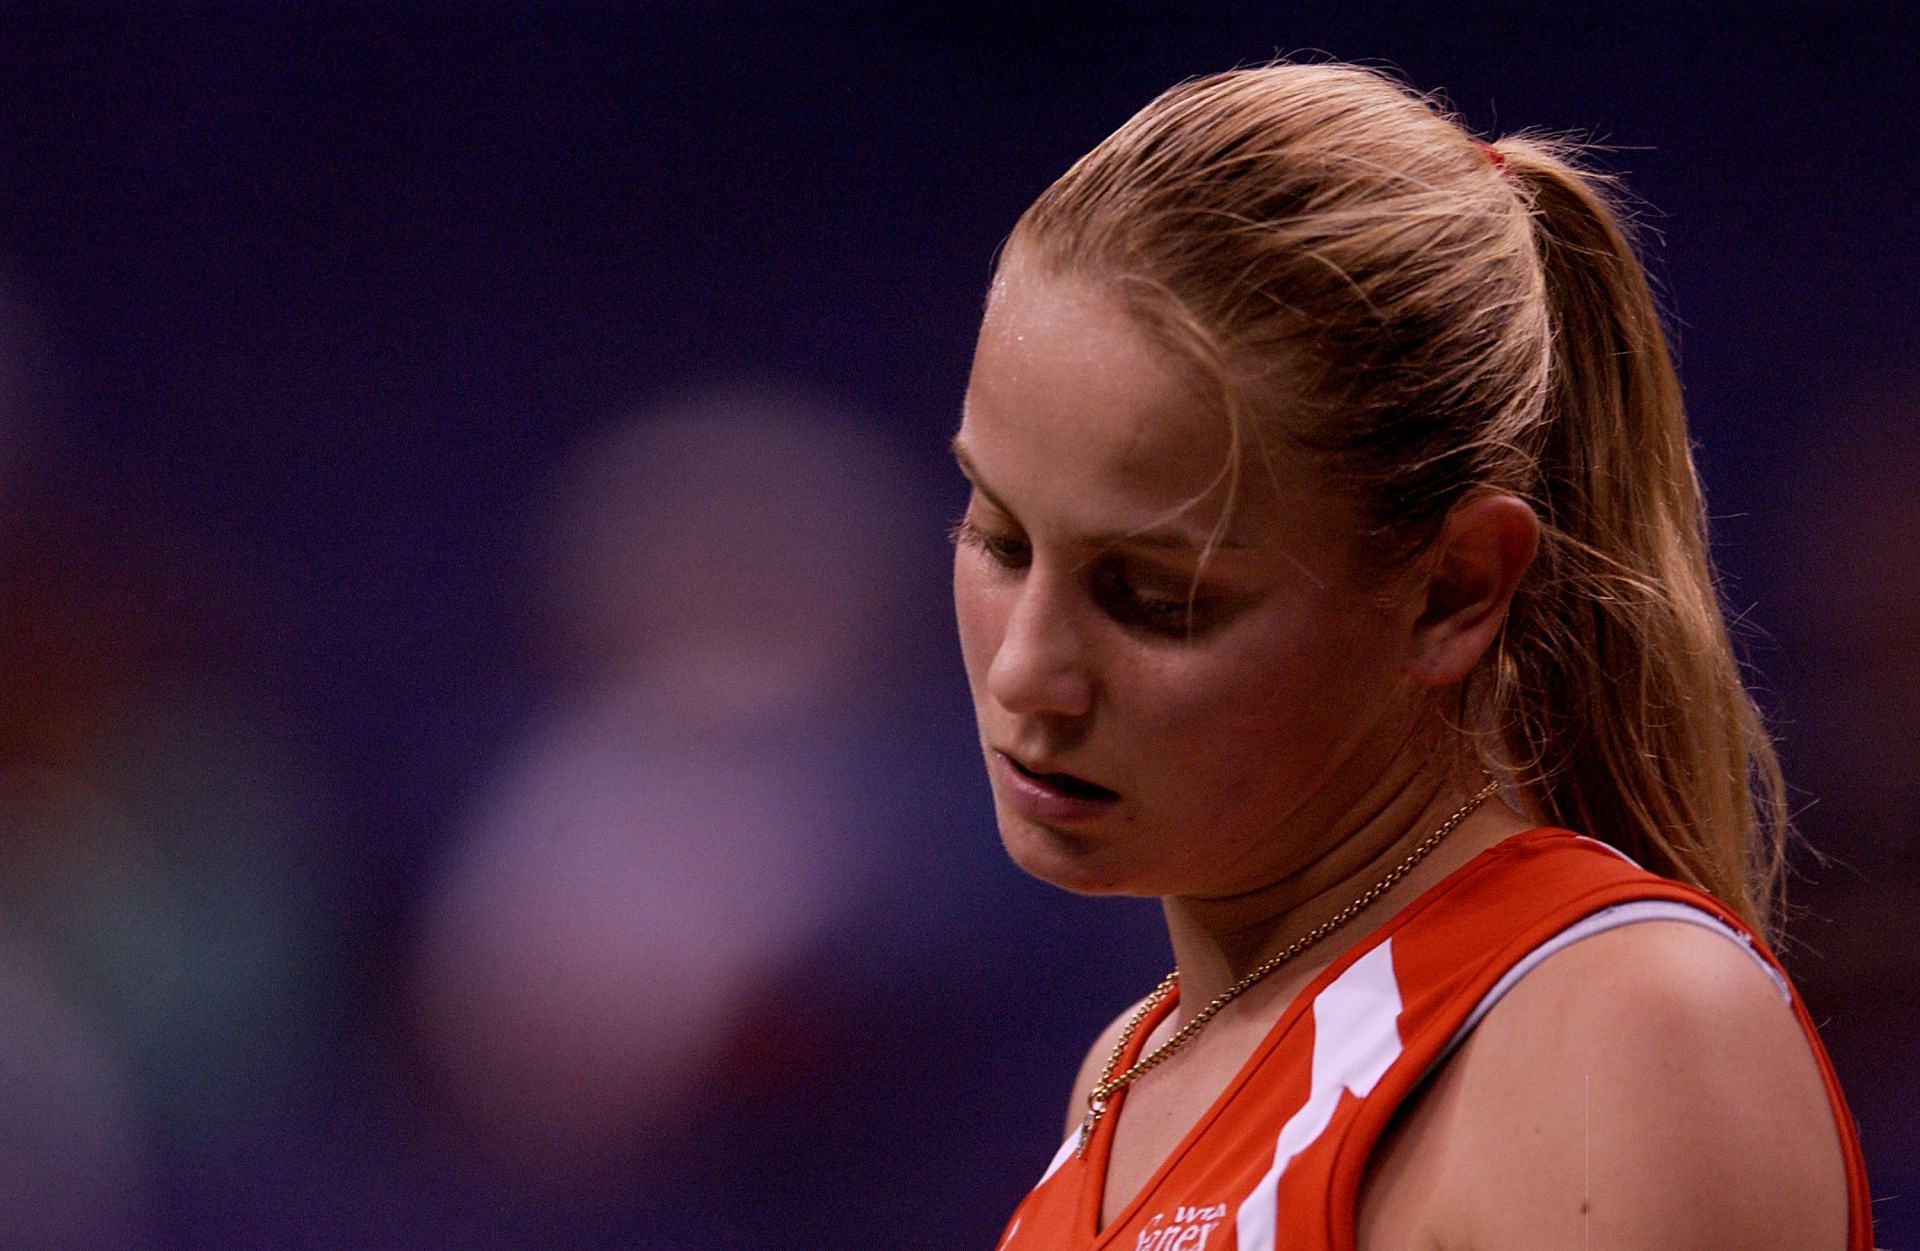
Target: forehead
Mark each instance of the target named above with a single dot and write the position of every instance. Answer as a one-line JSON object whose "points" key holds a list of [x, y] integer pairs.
{"points": [[1074, 402], [1065, 374]]}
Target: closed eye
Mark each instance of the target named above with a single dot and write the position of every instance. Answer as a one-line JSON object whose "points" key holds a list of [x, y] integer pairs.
{"points": [[1004, 550], [1164, 611], [1146, 600]]}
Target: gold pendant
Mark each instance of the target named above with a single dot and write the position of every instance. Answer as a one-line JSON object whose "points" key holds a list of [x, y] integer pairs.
{"points": [[1087, 1123]]}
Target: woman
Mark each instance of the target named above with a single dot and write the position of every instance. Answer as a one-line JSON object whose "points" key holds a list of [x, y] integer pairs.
{"points": [[1335, 550]]}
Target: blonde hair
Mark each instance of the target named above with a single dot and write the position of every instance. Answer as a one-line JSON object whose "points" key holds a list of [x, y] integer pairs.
{"points": [[1441, 318]]}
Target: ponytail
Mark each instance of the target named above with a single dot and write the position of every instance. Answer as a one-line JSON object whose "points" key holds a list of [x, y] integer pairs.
{"points": [[1616, 688]]}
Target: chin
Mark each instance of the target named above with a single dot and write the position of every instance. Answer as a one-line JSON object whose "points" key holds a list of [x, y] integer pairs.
{"points": [[1079, 863]]}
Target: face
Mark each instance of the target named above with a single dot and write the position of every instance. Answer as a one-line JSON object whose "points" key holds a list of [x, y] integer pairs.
{"points": [[1169, 692]]}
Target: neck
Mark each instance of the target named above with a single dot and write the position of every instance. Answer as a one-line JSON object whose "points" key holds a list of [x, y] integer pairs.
{"points": [[1347, 845]]}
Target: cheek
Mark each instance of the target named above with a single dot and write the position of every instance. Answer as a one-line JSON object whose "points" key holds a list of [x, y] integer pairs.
{"points": [[977, 614], [1272, 711], [1250, 713]]}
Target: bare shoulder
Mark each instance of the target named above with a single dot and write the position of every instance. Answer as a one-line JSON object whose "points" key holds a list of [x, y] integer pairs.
{"points": [[1648, 1086], [1095, 1064]]}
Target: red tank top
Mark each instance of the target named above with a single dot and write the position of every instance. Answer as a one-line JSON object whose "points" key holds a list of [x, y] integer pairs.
{"points": [[1276, 1161]]}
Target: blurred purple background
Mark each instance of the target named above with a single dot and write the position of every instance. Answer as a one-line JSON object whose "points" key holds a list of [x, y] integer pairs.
{"points": [[483, 761]]}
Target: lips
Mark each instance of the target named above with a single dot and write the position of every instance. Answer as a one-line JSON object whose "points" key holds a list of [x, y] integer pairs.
{"points": [[1066, 783], [1049, 796]]}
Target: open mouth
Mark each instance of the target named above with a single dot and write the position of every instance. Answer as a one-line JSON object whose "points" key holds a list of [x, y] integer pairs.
{"points": [[1064, 783]]}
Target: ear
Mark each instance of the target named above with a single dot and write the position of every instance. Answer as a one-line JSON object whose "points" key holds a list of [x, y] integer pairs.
{"points": [[1474, 565]]}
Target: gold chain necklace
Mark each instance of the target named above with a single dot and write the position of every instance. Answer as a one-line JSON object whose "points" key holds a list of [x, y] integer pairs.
{"points": [[1104, 1090]]}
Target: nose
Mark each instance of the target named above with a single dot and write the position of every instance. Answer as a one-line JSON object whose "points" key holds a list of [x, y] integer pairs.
{"points": [[1042, 666]]}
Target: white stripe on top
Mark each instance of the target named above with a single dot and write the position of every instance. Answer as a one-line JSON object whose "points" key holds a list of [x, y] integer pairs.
{"points": [[1356, 1038]]}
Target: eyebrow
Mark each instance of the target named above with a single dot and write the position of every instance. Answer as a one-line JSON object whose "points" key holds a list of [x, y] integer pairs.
{"points": [[1168, 538]]}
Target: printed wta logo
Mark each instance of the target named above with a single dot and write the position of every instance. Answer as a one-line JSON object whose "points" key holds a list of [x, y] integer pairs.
{"points": [[1188, 1231]]}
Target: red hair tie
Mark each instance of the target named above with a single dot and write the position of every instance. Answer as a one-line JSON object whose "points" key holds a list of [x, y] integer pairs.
{"points": [[1495, 155]]}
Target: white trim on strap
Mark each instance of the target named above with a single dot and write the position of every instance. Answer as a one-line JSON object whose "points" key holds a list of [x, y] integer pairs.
{"points": [[1613, 918], [1059, 1158]]}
